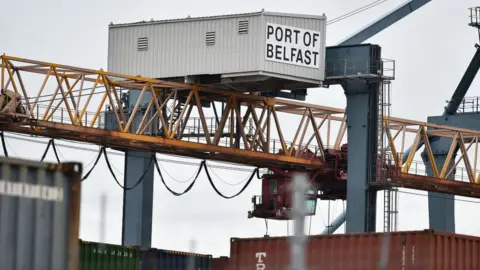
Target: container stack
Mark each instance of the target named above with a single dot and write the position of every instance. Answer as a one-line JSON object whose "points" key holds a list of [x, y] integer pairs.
{"points": [[106, 256], [100, 256]]}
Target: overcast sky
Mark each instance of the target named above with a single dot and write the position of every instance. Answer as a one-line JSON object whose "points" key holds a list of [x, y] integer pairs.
{"points": [[432, 48]]}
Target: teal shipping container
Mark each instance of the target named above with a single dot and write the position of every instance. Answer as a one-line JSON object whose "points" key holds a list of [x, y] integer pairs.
{"points": [[99, 256]]}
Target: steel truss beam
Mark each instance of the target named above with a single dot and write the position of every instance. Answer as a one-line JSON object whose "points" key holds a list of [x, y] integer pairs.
{"points": [[263, 139]]}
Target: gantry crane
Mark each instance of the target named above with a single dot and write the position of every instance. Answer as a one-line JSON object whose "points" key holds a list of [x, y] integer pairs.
{"points": [[255, 136]]}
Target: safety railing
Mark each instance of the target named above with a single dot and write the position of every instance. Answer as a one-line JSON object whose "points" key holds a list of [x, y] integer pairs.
{"points": [[419, 168], [360, 67], [469, 105], [193, 129], [61, 115], [474, 17]]}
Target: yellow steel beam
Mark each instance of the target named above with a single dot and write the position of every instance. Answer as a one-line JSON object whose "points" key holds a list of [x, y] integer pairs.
{"points": [[150, 143]]}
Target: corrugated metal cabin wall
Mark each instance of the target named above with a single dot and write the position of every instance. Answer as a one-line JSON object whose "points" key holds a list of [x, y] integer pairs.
{"points": [[232, 52], [179, 48], [123, 54], [294, 70]]}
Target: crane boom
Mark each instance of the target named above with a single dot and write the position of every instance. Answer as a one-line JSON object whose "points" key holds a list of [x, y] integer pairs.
{"points": [[61, 114], [384, 22]]}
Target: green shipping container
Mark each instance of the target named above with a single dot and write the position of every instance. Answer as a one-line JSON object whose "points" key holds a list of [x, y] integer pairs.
{"points": [[99, 256]]}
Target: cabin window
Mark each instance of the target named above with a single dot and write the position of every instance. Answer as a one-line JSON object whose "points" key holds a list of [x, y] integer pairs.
{"points": [[273, 186], [311, 205], [272, 204]]}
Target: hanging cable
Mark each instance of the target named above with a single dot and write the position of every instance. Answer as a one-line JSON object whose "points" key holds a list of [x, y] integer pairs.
{"points": [[188, 188], [310, 226], [266, 227], [55, 151], [91, 169], [230, 184], [328, 217], [254, 173], [46, 150], [194, 175], [26, 138], [356, 11], [100, 152], [115, 177], [4, 145], [344, 227]]}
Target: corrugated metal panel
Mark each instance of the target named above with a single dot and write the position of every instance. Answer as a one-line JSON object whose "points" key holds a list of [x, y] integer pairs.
{"points": [[159, 259], [416, 250], [100, 256], [39, 215], [178, 48]]}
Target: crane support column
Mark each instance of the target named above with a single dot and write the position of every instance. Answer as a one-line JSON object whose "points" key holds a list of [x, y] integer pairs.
{"points": [[359, 69], [441, 207], [139, 166], [362, 141], [138, 202]]}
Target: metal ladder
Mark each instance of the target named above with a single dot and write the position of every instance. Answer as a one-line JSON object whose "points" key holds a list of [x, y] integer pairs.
{"points": [[390, 194]]}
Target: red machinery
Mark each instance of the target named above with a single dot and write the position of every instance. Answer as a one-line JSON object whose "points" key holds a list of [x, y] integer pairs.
{"points": [[276, 199], [329, 184]]}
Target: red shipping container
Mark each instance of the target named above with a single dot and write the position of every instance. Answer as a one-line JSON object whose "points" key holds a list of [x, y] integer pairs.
{"points": [[220, 263], [411, 250]]}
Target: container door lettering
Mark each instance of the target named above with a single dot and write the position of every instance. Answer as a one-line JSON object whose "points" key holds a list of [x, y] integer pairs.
{"points": [[260, 264]]}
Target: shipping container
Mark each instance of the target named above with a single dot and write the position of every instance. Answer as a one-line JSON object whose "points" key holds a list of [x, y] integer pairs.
{"points": [[261, 51], [411, 250], [220, 263], [100, 256], [39, 214], [161, 259]]}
